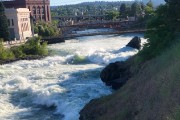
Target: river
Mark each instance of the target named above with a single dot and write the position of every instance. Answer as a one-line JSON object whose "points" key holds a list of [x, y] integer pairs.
{"points": [[58, 87]]}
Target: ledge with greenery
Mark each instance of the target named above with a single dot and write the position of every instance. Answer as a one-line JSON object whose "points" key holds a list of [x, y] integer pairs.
{"points": [[31, 50]]}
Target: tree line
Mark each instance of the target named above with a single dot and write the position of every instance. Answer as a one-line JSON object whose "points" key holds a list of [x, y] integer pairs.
{"points": [[87, 8], [112, 10], [163, 30], [136, 9]]}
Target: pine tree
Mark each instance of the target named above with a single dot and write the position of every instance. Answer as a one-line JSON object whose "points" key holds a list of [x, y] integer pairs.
{"points": [[149, 9], [173, 13], [4, 32], [136, 9], [123, 10]]}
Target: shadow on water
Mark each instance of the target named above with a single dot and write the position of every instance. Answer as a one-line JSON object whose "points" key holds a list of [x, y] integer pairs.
{"points": [[30, 111], [83, 75]]}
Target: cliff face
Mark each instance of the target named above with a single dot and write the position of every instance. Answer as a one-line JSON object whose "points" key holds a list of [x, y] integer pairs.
{"points": [[152, 93]]}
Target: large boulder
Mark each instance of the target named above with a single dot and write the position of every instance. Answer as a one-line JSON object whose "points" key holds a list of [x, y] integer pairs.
{"points": [[135, 43], [116, 74]]}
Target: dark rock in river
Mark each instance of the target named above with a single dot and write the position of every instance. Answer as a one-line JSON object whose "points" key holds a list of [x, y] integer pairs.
{"points": [[116, 74], [53, 40], [135, 43]]}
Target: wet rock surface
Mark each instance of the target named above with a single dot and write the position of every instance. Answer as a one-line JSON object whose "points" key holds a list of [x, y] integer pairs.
{"points": [[135, 43], [116, 74]]}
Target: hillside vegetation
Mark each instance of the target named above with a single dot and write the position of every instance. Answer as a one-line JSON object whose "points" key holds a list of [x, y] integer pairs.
{"points": [[151, 94], [153, 90]]}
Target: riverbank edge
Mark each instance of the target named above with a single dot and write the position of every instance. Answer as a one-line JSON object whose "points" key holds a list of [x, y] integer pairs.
{"points": [[152, 92], [31, 57]]}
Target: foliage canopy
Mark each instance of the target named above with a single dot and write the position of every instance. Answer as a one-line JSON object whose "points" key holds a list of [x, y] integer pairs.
{"points": [[4, 31]]}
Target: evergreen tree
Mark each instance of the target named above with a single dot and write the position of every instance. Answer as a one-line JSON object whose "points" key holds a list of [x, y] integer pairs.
{"points": [[173, 14], [4, 32], [112, 15], [142, 6], [163, 29], [150, 4], [149, 8], [123, 10], [136, 9]]}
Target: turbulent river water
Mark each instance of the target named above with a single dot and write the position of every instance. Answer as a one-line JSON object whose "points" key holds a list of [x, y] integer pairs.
{"points": [[58, 87]]}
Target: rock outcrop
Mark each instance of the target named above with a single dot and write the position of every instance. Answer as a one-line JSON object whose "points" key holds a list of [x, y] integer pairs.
{"points": [[135, 43], [116, 74], [53, 40]]}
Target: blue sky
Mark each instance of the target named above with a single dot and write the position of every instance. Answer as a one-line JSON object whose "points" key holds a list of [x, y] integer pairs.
{"points": [[65, 2]]}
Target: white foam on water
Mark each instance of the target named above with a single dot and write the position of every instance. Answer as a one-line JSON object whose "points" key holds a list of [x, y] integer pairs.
{"points": [[67, 80], [86, 31]]}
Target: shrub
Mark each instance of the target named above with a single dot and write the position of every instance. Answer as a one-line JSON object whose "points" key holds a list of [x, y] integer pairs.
{"points": [[33, 47], [160, 34], [5, 54], [46, 29]]}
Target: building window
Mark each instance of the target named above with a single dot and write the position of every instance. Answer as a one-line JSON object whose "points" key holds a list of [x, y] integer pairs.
{"points": [[43, 10], [29, 8], [27, 27], [12, 22], [8, 22], [48, 13], [22, 27], [43, 17], [39, 10], [34, 10]]}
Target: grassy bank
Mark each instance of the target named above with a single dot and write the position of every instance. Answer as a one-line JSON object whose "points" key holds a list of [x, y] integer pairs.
{"points": [[151, 94], [32, 49]]}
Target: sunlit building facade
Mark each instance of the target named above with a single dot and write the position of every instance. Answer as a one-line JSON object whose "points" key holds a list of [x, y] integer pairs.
{"points": [[19, 23], [40, 9]]}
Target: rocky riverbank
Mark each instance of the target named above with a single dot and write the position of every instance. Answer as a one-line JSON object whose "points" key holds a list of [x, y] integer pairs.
{"points": [[117, 74], [151, 91], [53, 40]]}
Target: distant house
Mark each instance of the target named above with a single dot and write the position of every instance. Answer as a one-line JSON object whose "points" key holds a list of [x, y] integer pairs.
{"points": [[40, 9], [19, 23]]}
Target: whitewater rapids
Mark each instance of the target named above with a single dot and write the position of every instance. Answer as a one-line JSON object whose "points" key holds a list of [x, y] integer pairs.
{"points": [[58, 87]]}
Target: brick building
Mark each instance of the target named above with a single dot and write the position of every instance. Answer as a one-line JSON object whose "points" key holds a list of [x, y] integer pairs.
{"points": [[40, 9]]}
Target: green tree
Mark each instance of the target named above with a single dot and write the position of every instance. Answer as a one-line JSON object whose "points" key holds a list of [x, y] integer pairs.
{"points": [[136, 9], [150, 4], [123, 10], [173, 14], [5, 54], [142, 6], [112, 15], [4, 32], [47, 29], [149, 8], [162, 29]]}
